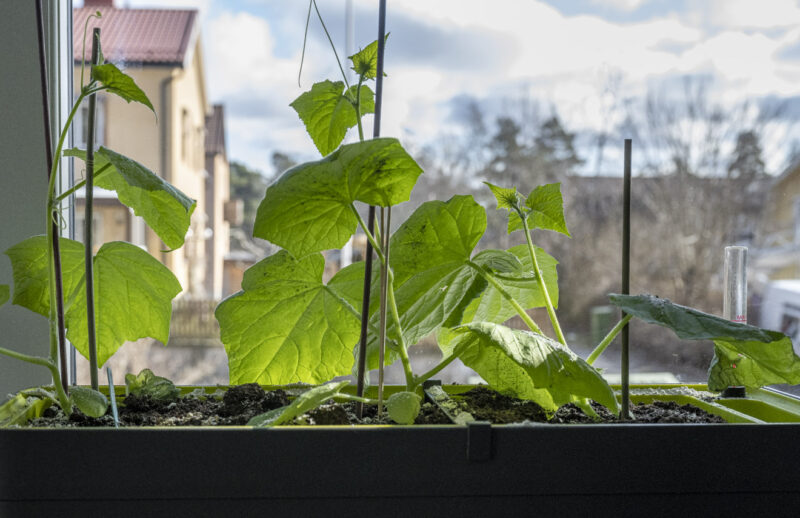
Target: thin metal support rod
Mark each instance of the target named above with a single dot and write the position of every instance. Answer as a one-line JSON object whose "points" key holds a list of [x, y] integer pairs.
{"points": [[626, 279], [48, 149], [88, 215], [376, 131]]}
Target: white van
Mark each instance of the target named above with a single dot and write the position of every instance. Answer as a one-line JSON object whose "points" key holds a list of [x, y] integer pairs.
{"points": [[780, 309]]}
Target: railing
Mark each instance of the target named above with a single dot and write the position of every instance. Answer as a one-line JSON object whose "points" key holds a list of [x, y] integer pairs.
{"points": [[193, 324]]}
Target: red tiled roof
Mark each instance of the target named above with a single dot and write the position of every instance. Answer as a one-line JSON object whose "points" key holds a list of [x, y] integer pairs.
{"points": [[147, 36]]}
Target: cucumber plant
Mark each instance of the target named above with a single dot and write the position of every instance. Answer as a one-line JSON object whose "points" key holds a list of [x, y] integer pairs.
{"points": [[127, 280], [286, 325]]}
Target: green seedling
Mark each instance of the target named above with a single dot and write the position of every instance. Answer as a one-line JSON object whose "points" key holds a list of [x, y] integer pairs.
{"points": [[127, 280]]}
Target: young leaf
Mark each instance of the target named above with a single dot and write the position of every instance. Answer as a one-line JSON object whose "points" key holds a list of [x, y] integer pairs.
{"points": [[309, 208], [148, 384], [506, 198], [365, 61], [286, 325], [120, 84], [306, 401], [128, 282], [165, 208], [328, 112], [403, 407], [5, 293], [20, 409], [90, 402], [545, 210], [529, 366], [744, 355]]}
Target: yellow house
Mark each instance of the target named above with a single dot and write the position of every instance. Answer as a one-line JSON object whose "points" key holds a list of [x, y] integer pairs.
{"points": [[779, 251], [160, 49]]}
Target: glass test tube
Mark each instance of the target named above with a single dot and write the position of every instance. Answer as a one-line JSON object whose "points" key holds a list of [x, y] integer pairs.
{"points": [[734, 305]]}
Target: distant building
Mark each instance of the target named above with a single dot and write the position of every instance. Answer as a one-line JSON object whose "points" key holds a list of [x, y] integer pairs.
{"points": [[160, 49], [778, 254]]}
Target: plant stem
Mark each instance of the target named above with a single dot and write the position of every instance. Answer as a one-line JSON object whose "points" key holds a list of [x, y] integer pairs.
{"points": [[369, 235], [605, 342], [333, 47], [358, 109], [401, 341], [97, 175], [551, 312], [50, 231], [56, 248], [88, 220], [506, 295], [52, 366]]}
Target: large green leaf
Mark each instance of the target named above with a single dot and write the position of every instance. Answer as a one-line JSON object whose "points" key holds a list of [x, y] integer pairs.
{"points": [[437, 234], [133, 298], [5, 293], [308, 400], [118, 83], [286, 325], [310, 207], [430, 256], [133, 292], [165, 209], [529, 366], [31, 280], [328, 112], [365, 61], [744, 355]]}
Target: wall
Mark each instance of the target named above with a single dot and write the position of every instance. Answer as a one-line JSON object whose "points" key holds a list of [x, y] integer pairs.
{"points": [[23, 183]]}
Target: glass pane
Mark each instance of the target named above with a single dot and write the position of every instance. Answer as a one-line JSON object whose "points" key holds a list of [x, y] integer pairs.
{"points": [[523, 94]]}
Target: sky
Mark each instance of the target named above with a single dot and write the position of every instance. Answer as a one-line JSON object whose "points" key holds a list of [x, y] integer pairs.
{"points": [[578, 57]]}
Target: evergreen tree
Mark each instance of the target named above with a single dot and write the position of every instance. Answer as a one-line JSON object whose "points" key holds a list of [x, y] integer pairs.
{"points": [[747, 162]]}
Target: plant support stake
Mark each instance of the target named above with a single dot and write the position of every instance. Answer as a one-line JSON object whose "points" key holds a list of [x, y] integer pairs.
{"points": [[376, 132], [48, 147], [624, 413], [87, 234]]}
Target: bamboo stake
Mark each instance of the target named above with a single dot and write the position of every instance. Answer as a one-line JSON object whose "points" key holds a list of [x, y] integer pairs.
{"points": [[626, 278], [88, 214]]}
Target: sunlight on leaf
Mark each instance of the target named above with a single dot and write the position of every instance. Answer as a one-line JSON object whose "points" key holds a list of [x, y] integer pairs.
{"points": [[163, 207], [309, 208], [133, 292], [529, 366], [327, 112], [287, 326]]}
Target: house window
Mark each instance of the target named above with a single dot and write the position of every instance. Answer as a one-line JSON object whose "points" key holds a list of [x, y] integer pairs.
{"points": [[80, 129], [186, 135]]}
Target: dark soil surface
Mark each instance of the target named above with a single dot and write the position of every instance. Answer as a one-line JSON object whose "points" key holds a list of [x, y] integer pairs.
{"points": [[238, 405]]}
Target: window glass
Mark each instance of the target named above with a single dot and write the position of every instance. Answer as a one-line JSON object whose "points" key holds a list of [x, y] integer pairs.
{"points": [[522, 94]]}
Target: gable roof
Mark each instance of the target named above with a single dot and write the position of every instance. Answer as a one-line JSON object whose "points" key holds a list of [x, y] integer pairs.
{"points": [[162, 37]]}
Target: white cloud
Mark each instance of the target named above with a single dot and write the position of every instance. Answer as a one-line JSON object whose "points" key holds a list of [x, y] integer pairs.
{"points": [[622, 5], [751, 14]]}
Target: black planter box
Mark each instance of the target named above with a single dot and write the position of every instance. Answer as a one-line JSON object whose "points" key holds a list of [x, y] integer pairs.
{"points": [[476, 470]]}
